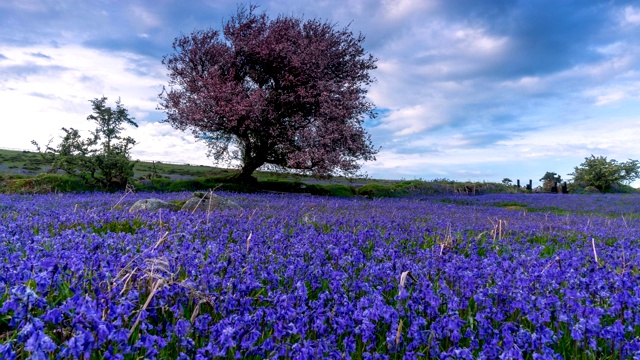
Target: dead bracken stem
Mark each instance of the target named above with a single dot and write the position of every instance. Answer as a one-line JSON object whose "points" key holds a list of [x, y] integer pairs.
{"points": [[196, 311], [209, 205], [156, 286], [398, 332], [129, 190], [595, 254], [197, 205], [127, 275], [549, 265], [161, 241], [496, 233], [249, 240], [447, 241], [403, 280]]}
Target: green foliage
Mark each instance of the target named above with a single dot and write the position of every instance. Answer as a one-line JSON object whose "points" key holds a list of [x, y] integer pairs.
{"points": [[510, 204], [22, 162], [339, 190], [549, 180], [604, 174], [507, 181], [102, 160], [41, 184], [375, 190]]}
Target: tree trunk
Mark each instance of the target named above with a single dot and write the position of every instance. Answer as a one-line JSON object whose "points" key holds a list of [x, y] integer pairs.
{"points": [[245, 174]]}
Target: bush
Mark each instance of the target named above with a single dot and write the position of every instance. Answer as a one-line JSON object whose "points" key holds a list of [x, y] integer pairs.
{"points": [[102, 160], [41, 184], [603, 174], [340, 190], [376, 190]]}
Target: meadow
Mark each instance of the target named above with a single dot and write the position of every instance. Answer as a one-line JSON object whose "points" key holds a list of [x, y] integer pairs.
{"points": [[517, 276]]}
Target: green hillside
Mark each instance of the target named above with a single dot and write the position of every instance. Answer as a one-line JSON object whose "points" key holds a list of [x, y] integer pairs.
{"points": [[27, 172]]}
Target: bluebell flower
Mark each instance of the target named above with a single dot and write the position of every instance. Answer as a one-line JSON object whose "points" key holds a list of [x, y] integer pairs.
{"points": [[182, 327], [6, 352]]}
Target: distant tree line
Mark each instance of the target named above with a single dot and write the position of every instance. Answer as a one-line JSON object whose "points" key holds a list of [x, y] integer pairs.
{"points": [[597, 173]]}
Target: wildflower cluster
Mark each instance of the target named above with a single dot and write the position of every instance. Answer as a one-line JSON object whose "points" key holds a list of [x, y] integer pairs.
{"points": [[294, 276]]}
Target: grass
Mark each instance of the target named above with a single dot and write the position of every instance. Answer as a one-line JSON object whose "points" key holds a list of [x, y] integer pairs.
{"points": [[25, 172], [21, 162]]}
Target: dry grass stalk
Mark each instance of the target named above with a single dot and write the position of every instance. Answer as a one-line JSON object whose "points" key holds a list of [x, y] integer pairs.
{"points": [[129, 190], [497, 231], [403, 280], [156, 286], [209, 205], [197, 205], [196, 311], [158, 269], [249, 240], [161, 240], [549, 265], [127, 280], [398, 332], [595, 253], [447, 241], [126, 273]]}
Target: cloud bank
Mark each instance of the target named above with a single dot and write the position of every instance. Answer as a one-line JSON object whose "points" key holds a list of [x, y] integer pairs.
{"points": [[466, 90]]}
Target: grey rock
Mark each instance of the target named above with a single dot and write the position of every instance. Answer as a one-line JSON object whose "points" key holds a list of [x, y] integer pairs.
{"points": [[152, 205], [208, 202]]}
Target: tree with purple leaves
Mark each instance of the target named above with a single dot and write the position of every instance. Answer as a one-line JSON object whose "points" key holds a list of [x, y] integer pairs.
{"points": [[285, 92]]}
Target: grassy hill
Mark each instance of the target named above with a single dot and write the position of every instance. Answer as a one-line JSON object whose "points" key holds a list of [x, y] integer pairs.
{"points": [[26, 172], [30, 163]]}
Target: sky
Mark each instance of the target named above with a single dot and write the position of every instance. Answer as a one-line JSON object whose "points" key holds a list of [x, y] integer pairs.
{"points": [[465, 90]]}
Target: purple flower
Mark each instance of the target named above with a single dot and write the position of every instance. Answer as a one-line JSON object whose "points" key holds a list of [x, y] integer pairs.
{"points": [[6, 352]]}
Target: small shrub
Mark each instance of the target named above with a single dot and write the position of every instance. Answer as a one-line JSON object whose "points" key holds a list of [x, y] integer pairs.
{"points": [[339, 190], [44, 183], [375, 190]]}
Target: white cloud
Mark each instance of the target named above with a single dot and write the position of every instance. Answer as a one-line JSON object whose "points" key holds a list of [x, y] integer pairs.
{"points": [[411, 120], [632, 15], [399, 9], [458, 95], [144, 17], [159, 141], [609, 98]]}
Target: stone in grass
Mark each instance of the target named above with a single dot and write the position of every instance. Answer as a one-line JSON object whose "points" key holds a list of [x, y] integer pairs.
{"points": [[208, 202], [152, 205]]}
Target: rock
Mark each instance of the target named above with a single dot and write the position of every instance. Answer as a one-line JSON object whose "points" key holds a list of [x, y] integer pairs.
{"points": [[208, 202], [152, 205]]}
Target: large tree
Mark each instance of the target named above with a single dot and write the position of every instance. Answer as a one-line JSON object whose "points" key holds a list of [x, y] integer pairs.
{"points": [[287, 92]]}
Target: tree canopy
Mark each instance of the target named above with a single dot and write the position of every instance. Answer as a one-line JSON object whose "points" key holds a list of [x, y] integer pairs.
{"points": [[550, 179], [286, 92], [603, 174]]}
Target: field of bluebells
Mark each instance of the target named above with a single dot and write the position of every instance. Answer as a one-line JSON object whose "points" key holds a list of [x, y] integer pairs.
{"points": [[293, 276]]}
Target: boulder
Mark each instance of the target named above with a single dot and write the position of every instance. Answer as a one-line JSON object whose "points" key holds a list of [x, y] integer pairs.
{"points": [[208, 202], [152, 205]]}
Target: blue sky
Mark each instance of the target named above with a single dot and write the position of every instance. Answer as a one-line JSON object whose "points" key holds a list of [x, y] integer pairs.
{"points": [[466, 90]]}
